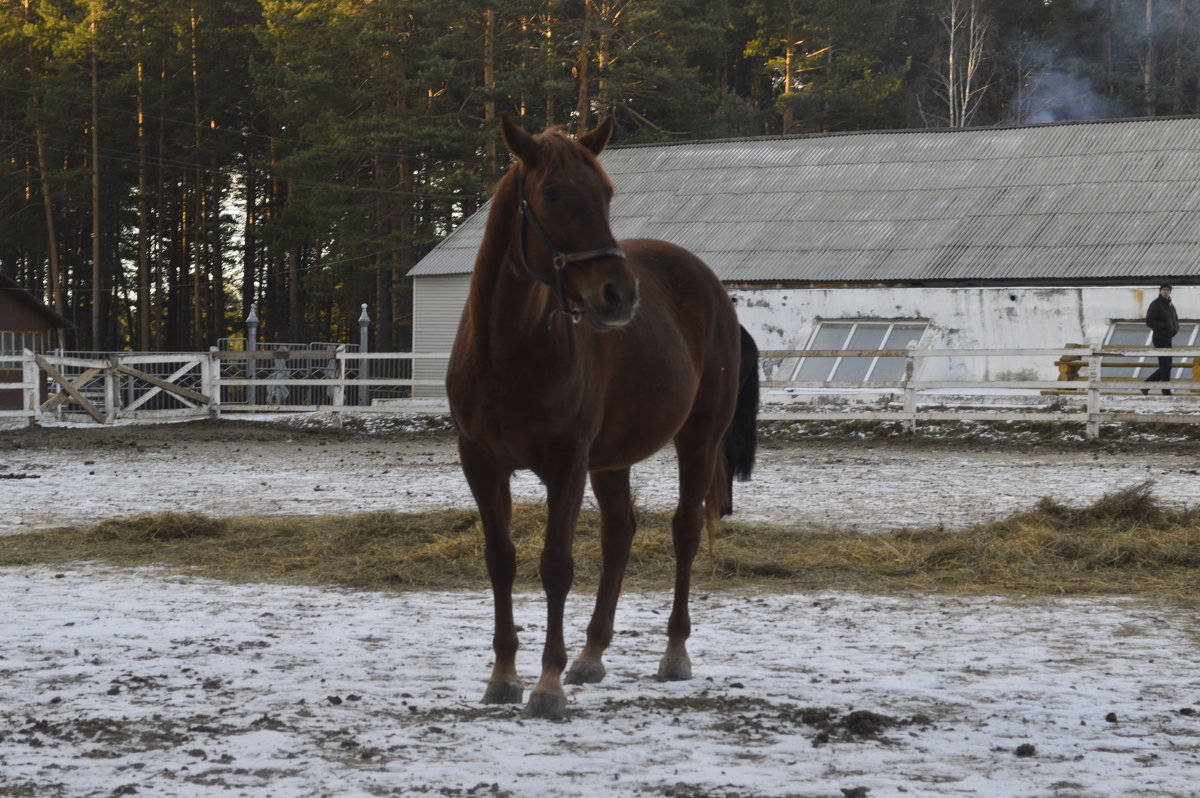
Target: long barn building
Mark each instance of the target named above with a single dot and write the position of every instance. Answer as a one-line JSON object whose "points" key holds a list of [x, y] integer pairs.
{"points": [[1020, 237]]}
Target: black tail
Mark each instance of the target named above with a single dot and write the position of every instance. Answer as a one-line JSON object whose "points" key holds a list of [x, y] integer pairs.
{"points": [[741, 441]]}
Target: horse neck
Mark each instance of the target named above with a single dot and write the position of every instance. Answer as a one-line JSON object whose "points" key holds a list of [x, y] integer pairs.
{"points": [[507, 310]]}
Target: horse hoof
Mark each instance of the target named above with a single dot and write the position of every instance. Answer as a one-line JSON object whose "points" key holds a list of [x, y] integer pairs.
{"points": [[585, 672], [674, 669], [546, 706], [504, 693]]}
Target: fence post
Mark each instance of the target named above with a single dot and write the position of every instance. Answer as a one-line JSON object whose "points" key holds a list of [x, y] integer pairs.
{"points": [[910, 397], [252, 346], [32, 396], [210, 381], [112, 389], [1093, 395], [339, 389], [364, 365]]}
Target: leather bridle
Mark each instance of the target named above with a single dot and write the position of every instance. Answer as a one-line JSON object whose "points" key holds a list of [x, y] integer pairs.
{"points": [[559, 258]]}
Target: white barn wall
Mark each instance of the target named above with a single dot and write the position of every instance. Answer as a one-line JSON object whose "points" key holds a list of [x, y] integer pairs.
{"points": [[437, 306], [959, 318]]}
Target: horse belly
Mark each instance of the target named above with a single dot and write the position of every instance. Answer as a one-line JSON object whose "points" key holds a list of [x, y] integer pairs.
{"points": [[641, 420]]}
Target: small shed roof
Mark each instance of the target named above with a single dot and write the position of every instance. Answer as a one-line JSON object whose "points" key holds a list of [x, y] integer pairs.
{"points": [[12, 293], [1108, 202]]}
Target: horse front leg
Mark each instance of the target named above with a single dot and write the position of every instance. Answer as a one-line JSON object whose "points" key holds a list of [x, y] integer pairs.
{"points": [[617, 526], [490, 487], [564, 495]]}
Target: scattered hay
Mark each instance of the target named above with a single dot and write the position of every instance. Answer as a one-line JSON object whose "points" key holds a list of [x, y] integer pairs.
{"points": [[163, 526], [1124, 543]]}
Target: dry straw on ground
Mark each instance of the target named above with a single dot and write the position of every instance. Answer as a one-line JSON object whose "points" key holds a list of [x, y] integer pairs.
{"points": [[1125, 543]]}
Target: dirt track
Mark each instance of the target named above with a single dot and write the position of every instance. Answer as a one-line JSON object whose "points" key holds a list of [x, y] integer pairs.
{"points": [[69, 475]]}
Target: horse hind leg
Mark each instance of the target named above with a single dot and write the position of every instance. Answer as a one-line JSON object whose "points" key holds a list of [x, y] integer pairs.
{"points": [[697, 453], [617, 525]]}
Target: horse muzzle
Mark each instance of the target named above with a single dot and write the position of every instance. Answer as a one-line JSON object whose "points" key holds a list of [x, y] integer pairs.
{"points": [[612, 306]]}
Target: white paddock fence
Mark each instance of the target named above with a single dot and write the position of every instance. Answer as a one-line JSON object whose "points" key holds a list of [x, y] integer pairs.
{"points": [[158, 386], [215, 383], [1091, 397]]}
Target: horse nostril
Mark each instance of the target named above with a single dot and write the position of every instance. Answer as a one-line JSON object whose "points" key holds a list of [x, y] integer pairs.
{"points": [[612, 297]]}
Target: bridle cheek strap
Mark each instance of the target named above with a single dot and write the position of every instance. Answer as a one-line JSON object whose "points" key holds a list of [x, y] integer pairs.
{"points": [[559, 258]]}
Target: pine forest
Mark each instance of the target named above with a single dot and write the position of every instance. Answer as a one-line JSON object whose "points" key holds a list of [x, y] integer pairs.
{"points": [[166, 164]]}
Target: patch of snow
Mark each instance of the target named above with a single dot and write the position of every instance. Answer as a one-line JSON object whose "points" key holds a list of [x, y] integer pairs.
{"points": [[179, 687], [182, 687]]}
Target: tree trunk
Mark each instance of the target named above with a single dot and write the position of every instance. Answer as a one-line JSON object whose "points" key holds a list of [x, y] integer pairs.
{"points": [[383, 260], [489, 83], [1178, 103], [961, 83], [56, 288], [198, 192], [186, 278], [548, 32], [788, 76], [216, 260], [249, 242], [164, 290], [143, 267], [404, 225], [295, 312], [604, 40], [1148, 65], [98, 293], [585, 57]]}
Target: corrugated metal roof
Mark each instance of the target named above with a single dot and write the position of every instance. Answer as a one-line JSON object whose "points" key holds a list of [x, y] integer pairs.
{"points": [[1095, 201]]}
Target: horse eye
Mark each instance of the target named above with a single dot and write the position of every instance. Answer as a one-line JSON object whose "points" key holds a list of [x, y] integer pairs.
{"points": [[551, 195]]}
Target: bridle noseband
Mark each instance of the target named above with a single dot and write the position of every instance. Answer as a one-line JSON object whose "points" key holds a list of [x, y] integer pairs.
{"points": [[559, 258]]}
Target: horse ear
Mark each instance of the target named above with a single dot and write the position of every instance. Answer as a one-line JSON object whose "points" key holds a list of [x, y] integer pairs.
{"points": [[597, 139], [518, 140]]}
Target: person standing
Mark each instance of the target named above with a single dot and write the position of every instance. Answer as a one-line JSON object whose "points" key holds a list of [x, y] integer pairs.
{"points": [[1163, 322]]}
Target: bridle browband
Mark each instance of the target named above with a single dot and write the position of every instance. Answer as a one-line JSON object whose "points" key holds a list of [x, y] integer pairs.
{"points": [[559, 258]]}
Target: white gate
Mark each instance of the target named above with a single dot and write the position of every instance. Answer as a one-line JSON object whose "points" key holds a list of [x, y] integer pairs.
{"points": [[147, 386]]}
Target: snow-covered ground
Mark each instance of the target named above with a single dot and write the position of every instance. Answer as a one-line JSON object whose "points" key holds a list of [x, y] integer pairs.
{"points": [[116, 682], [84, 474]]}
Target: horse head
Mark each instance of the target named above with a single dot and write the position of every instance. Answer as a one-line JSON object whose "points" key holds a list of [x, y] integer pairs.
{"points": [[563, 237]]}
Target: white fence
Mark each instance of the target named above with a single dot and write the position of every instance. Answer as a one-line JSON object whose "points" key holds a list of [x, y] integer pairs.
{"points": [[215, 383], [198, 384], [925, 400]]}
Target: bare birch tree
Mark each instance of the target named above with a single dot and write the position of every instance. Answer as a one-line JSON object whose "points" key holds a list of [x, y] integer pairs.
{"points": [[961, 76]]}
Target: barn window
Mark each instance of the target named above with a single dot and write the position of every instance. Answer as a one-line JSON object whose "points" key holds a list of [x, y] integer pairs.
{"points": [[1136, 333], [859, 335], [12, 343]]}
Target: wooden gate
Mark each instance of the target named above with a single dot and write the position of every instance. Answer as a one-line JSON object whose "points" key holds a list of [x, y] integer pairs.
{"points": [[146, 386]]}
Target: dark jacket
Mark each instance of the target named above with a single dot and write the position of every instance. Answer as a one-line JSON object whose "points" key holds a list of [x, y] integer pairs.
{"points": [[1162, 319]]}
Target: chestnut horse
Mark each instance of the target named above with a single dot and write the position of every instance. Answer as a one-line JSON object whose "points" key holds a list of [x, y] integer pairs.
{"points": [[659, 360]]}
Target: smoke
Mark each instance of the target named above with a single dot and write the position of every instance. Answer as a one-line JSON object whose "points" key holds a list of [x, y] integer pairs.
{"points": [[1049, 90], [1054, 95]]}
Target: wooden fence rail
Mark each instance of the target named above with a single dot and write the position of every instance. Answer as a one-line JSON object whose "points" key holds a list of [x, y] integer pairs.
{"points": [[215, 383]]}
